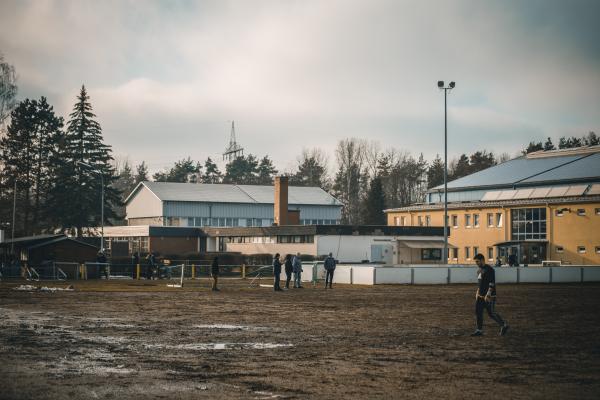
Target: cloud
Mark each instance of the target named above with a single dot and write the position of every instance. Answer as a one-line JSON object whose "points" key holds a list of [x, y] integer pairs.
{"points": [[165, 78]]}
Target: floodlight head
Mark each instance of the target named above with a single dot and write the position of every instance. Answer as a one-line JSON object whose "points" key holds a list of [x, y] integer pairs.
{"points": [[452, 84], [440, 84]]}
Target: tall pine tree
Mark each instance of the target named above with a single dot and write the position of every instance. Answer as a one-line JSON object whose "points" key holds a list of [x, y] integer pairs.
{"points": [[26, 154], [211, 172], [83, 161], [375, 204]]}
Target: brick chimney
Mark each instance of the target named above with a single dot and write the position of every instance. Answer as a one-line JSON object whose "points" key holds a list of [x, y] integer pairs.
{"points": [[281, 200]]}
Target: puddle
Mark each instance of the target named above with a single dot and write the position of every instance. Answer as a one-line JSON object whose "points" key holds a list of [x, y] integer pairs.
{"points": [[31, 288], [232, 327], [219, 346]]}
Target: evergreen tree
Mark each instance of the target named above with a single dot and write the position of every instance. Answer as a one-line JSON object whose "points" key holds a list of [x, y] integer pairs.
{"points": [[312, 170], [591, 139], [375, 204], [141, 174], [481, 160], [460, 168], [211, 172], [435, 172], [549, 145], [82, 163], [570, 143], [124, 183], [265, 171], [27, 148], [533, 146], [184, 171], [242, 170]]}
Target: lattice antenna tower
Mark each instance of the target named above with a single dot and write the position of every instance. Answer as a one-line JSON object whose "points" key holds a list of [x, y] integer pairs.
{"points": [[233, 150]]}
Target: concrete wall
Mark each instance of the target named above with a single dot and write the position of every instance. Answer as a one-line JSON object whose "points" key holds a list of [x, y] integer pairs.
{"points": [[363, 275], [534, 275], [393, 275], [433, 275]]}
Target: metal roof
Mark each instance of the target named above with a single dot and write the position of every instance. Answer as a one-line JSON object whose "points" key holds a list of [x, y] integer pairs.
{"points": [[560, 166], [224, 193], [498, 203]]}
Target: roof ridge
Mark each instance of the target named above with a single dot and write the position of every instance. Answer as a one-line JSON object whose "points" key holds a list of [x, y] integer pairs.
{"points": [[246, 193]]}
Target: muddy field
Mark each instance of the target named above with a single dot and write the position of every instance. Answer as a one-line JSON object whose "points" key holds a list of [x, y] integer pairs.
{"points": [[140, 339]]}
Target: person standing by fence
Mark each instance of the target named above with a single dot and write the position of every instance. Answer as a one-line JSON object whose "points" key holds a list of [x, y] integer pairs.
{"points": [[297, 268], [288, 270], [151, 258], [276, 273], [486, 284], [329, 265], [214, 272]]}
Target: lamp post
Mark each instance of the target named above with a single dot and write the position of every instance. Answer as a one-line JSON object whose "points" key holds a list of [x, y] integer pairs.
{"points": [[445, 89], [92, 170]]}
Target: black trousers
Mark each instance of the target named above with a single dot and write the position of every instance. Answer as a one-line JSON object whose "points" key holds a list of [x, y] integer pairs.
{"points": [[329, 277], [288, 278], [490, 306], [276, 280]]}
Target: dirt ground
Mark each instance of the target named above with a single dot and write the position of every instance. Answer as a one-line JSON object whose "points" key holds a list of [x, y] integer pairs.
{"points": [[140, 339]]}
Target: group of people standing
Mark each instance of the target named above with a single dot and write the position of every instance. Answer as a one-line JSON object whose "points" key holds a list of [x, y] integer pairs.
{"points": [[293, 265]]}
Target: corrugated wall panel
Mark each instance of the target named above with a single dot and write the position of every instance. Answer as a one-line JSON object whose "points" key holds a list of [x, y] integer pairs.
{"points": [[229, 210]]}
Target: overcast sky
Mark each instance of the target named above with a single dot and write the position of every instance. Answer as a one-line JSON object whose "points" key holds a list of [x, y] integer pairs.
{"points": [[166, 77]]}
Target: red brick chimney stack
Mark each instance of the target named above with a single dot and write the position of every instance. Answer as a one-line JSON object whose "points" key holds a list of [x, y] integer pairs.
{"points": [[281, 200]]}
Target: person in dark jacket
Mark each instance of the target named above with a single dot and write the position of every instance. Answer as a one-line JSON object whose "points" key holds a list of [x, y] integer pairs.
{"points": [[214, 272], [102, 264], [150, 271], [329, 265], [276, 273], [297, 268], [485, 297], [288, 270]]}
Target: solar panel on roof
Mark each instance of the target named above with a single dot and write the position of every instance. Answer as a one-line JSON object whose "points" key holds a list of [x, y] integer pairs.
{"points": [[595, 189], [523, 194], [540, 193], [507, 194], [557, 191], [491, 196], [576, 190]]}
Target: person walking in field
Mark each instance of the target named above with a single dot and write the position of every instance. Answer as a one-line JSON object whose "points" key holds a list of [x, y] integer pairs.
{"points": [[485, 297], [288, 270], [214, 273], [276, 273], [329, 265], [297, 268]]}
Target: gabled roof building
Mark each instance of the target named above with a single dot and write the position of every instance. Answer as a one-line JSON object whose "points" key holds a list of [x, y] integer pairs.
{"points": [[541, 206], [190, 204]]}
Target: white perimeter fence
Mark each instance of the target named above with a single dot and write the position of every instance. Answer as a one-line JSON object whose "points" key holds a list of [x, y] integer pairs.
{"points": [[432, 275]]}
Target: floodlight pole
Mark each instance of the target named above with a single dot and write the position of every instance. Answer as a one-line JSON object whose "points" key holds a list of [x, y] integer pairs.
{"points": [[445, 255]]}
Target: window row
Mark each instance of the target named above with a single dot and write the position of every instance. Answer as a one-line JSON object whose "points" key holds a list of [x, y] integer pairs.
{"points": [[470, 252], [469, 220], [580, 211], [580, 249], [270, 239]]}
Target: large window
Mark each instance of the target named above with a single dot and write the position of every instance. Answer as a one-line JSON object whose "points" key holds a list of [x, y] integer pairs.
{"points": [[431, 254], [528, 223]]}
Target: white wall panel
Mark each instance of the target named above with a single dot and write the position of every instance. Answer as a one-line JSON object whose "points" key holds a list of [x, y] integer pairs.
{"points": [[393, 275], [534, 275], [430, 276], [591, 274], [463, 275], [363, 275], [566, 274], [342, 274], [506, 275]]}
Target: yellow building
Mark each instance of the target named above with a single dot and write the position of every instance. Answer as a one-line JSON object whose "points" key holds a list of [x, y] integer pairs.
{"points": [[541, 207]]}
